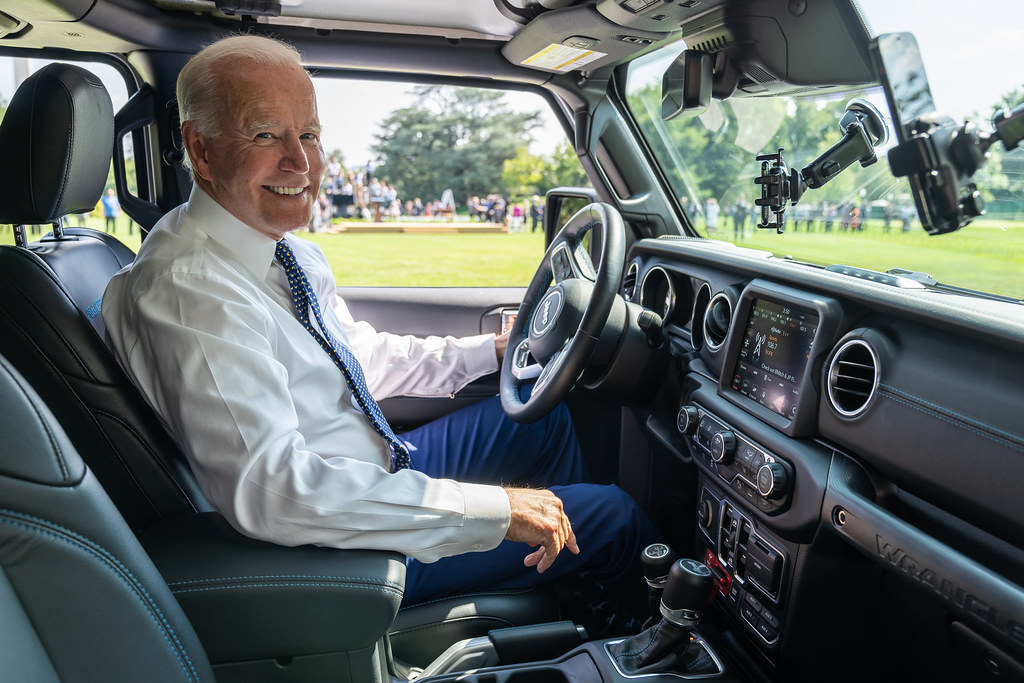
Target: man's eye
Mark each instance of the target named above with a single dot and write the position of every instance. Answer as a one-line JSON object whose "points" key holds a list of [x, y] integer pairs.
{"points": [[263, 136]]}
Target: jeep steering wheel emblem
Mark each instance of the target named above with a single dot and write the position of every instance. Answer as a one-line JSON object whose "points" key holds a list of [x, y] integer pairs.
{"points": [[547, 312]]}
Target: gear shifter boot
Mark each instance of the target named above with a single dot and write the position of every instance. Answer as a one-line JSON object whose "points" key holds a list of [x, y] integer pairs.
{"points": [[663, 647]]}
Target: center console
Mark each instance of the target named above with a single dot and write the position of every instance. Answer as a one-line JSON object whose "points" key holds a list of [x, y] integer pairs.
{"points": [[747, 419], [669, 649]]}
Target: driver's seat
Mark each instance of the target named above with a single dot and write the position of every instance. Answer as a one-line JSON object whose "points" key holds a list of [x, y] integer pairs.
{"points": [[56, 140]]}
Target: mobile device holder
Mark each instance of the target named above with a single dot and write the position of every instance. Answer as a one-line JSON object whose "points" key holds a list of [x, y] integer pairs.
{"points": [[863, 130]]}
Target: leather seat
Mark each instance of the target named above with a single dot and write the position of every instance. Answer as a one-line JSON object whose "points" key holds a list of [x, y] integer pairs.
{"points": [[51, 331], [79, 599], [50, 327]]}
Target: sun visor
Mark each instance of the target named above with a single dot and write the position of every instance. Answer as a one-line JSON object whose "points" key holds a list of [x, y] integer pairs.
{"points": [[576, 38]]}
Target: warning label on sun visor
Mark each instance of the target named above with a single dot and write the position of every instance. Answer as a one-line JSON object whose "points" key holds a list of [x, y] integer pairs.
{"points": [[562, 58]]}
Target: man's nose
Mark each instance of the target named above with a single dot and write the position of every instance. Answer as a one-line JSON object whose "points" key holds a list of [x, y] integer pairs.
{"points": [[294, 157]]}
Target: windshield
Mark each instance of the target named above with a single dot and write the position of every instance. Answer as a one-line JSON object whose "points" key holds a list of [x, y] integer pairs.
{"points": [[864, 217]]}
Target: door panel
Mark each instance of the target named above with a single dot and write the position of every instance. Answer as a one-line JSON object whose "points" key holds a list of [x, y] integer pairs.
{"points": [[459, 311]]}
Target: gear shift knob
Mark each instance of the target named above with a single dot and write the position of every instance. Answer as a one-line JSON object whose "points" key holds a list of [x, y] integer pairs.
{"points": [[657, 559], [687, 592]]}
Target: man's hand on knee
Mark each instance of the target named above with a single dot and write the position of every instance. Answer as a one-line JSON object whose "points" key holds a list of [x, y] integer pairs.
{"points": [[538, 519]]}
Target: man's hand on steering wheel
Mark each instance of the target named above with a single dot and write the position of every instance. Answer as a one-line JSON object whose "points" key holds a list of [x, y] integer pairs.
{"points": [[563, 313]]}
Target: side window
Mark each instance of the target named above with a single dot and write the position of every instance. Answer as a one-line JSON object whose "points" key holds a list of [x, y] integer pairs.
{"points": [[107, 214], [435, 185]]}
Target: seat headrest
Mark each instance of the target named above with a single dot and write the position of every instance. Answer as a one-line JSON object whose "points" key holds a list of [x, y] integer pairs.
{"points": [[56, 142]]}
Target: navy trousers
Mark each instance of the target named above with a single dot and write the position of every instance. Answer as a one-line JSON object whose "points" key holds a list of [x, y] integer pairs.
{"points": [[479, 444]]}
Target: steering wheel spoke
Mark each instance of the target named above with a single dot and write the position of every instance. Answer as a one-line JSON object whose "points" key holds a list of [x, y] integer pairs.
{"points": [[567, 264], [524, 366], [552, 367]]}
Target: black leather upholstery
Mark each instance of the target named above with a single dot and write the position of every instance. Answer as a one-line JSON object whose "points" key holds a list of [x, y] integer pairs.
{"points": [[56, 143], [79, 599], [422, 632], [52, 343]]}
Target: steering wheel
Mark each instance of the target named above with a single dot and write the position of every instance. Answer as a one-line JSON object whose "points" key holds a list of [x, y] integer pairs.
{"points": [[559, 324]]}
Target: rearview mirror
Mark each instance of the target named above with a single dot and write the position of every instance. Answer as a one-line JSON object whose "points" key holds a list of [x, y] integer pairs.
{"points": [[686, 85]]}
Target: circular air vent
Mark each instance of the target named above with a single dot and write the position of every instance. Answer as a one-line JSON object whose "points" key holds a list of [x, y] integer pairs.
{"points": [[629, 282], [852, 377], [716, 321], [700, 307]]}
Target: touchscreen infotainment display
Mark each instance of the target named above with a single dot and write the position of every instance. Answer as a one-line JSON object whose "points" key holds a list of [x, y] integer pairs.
{"points": [[773, 356]]}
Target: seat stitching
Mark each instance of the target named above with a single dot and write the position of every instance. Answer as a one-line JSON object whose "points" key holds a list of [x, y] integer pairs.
{"points": [[318, 577], [38, 525]]}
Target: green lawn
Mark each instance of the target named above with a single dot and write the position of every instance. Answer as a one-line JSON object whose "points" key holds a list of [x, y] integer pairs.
{"points": [[988, 255], [426, 260]]}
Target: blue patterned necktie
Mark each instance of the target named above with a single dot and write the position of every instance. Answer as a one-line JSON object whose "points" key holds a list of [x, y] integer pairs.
{"points": [[305, 300]]}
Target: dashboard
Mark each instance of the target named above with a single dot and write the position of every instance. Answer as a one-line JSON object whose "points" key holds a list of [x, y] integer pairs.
{"points": [[843, 423]]}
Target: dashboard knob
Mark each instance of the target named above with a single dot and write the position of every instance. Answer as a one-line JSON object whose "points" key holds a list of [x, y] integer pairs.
{"points": [[723, 446], [772, 480], [688, 420]]}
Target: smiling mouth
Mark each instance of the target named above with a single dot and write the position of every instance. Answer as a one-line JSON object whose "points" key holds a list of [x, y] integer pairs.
{"points": [[287, 191]]}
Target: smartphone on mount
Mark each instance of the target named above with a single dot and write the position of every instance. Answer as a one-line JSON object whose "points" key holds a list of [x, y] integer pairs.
{"points": [[944, 195]]}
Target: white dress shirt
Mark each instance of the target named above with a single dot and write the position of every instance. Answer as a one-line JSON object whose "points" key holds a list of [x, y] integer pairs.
{"points": [[204, 324]]}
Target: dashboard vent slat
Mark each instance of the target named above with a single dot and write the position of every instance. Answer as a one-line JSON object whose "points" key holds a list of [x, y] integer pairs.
{"points": [[852, 378]]}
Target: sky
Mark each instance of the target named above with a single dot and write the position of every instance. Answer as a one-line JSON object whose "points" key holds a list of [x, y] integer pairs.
{"points": [[972, 54]]}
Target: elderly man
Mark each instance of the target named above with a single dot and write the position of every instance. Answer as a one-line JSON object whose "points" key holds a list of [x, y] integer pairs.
{"points": [[232, 329]]}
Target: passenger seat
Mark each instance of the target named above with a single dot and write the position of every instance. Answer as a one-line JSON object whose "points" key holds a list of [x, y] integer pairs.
{"points": [[79, 599]]}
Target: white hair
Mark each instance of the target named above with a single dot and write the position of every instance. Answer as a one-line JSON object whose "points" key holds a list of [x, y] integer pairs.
{"points": [[197, 87]]}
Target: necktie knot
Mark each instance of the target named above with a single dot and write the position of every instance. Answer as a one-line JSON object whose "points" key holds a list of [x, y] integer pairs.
{"points": [[305, 300]]}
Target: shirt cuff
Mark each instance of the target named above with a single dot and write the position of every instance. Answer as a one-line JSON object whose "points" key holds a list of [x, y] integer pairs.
{"points": [[478, 355], [487, 517]]}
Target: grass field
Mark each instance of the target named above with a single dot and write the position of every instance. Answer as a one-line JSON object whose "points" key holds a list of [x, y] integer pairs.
{"points": [[988, 255]]}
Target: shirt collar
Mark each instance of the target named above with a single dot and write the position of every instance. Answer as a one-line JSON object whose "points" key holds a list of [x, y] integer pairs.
{"points": [[253, 249]]}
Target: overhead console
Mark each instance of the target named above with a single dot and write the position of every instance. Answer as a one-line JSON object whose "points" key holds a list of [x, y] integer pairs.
{"points": [[758, 47]]}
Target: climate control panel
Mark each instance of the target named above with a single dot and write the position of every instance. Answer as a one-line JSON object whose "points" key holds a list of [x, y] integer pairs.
{"points": [[754, 474]]}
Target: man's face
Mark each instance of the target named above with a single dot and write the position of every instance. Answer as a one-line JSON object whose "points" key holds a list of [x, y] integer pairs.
{"points": [[266, 164]]}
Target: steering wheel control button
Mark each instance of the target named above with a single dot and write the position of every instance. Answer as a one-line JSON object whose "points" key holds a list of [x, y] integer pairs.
{"points": [[561, 265]]}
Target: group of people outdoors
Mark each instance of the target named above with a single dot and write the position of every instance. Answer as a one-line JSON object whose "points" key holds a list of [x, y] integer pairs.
{"points": [[109, 208], [354, 194], [494, 208], [361, 195], [842, 216]]}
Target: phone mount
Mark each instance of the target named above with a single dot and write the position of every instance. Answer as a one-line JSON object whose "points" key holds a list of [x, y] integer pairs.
{"points": [[940, 158], [863, 130]]}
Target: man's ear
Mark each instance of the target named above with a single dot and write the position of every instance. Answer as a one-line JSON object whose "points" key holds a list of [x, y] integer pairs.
{"points": [[197, 150]]}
